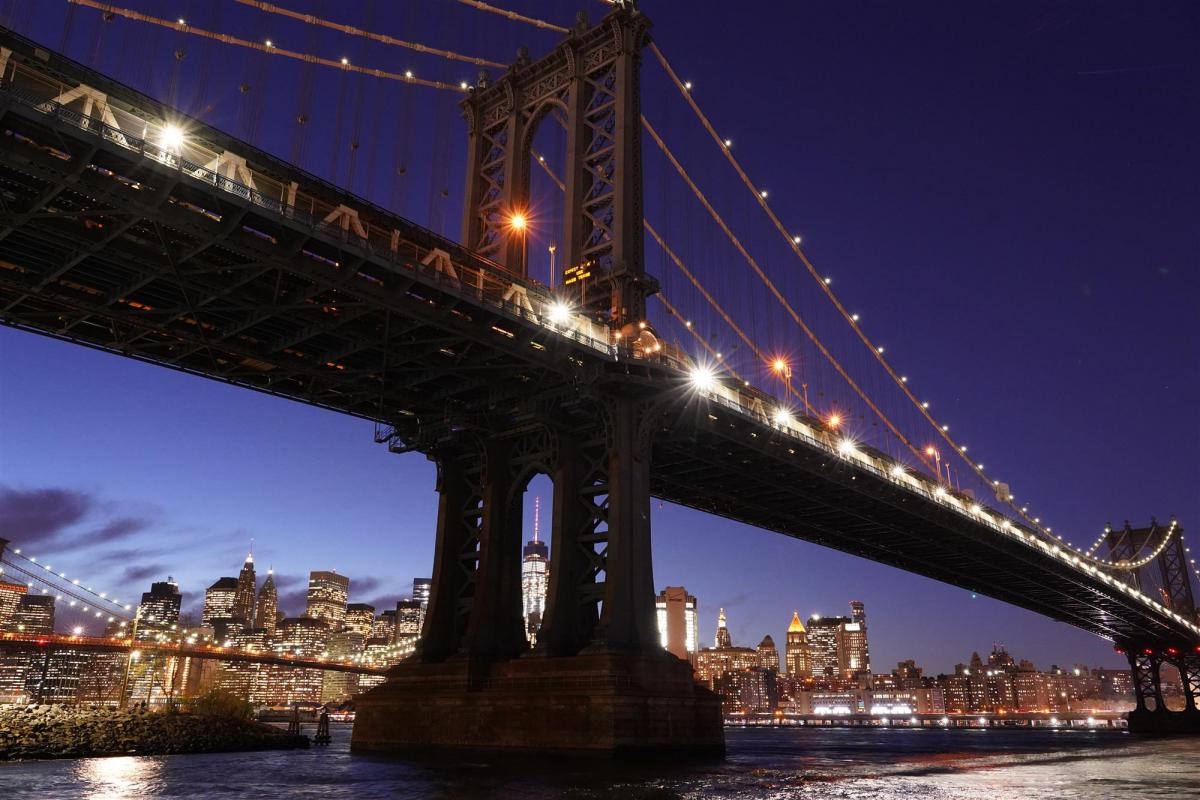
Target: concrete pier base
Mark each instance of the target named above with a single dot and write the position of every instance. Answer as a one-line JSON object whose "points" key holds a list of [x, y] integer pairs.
{"points": [[1164, 722], [600, 704]]}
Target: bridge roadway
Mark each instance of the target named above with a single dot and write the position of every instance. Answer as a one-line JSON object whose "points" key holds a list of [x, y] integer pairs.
{"points": [[186, 248], [58, 641]]}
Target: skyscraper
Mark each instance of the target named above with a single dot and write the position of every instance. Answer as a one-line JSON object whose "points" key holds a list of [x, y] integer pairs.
{"points": [[826, 645], [722, 638], [10, 597], [534, 567], [359, 619], [218, 602], [855, 653], [421, 589], [159, 607], [409, 618], [243, 602], [35, 614], [796, 653], [268, 605], [327, 593], [384, 629], [768, 654], [678, 627]]}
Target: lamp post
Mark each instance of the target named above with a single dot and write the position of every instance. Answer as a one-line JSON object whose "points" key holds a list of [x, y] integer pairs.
{"points": [[553, 247], [937, 458]]}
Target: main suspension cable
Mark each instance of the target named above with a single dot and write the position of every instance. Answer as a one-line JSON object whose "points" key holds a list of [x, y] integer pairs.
{"points": [[534, 21], [266, 47], [350, 30], [758, 270]]}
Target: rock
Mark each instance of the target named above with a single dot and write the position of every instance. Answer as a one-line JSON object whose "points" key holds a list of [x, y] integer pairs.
{"points": [[60, 732]]}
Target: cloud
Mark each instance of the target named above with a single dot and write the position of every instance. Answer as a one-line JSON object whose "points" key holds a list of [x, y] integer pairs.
{"points": [[140, 573], [119, 528], [35, 516]]}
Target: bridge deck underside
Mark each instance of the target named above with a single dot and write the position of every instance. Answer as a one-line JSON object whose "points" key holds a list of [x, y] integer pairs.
{"points": [[103, 247], [732, 467], [106, 248]]}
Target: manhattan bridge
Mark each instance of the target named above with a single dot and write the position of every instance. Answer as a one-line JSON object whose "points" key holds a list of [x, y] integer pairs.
{"points": [[131, 226]]}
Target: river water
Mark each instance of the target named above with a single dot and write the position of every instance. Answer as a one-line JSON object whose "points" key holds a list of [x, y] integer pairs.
{"points": [[776, 764]]}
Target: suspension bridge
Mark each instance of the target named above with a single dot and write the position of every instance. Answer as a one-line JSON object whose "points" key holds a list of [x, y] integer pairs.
{"points": [[132, 227]]}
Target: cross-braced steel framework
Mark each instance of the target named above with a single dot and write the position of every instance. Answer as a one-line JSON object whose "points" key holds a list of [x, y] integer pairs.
{"points": [[591, 81]]}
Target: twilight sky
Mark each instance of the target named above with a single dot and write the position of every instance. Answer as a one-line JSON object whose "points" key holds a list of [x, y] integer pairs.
{"points": [[1009, 192]]}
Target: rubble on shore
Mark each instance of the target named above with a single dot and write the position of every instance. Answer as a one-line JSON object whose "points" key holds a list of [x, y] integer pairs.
{"points": [[36, 732]]}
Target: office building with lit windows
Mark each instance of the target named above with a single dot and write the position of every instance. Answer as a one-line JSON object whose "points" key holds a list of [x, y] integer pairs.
{"points": [[327, 593], [218, 602], [678, 625], [159, 608]]}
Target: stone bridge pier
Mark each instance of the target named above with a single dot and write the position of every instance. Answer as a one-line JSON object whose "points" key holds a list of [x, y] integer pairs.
{"points": [[599, 680]]}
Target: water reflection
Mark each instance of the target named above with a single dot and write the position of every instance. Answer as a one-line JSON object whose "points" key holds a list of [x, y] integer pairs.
{"points": [[118, 778]]}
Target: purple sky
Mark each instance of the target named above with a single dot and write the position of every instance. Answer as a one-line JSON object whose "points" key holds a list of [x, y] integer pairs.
{"points": [[1008, 193]]}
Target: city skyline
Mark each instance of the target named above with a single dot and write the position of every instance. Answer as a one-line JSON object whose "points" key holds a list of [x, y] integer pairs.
{"points": [[983, 255]]}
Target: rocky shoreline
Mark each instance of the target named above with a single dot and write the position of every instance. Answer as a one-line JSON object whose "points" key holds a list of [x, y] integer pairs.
{"points": [[38, 732]]}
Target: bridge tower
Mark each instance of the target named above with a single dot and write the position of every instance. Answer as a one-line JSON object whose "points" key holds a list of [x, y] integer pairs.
{"points": [[591, 85], [599, 679], [1147, 658]]}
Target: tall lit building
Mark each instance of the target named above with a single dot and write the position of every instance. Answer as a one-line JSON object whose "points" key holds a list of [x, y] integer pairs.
{"points": [[360, 617], [10, 596], [384, 628], [796, 653], [722, 637], [35, 614], [218, 602], [826, 645], [409, 618], [159, 607], [243, 601], [268, 605], [678, 626], [856, 656], [421, 589], [327, 593], [534, 568], [713, 662], [302, 636], [768, 654]]}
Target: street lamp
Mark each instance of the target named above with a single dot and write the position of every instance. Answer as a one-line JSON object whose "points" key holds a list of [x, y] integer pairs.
{"points": [[937, 458], [553, 247]]}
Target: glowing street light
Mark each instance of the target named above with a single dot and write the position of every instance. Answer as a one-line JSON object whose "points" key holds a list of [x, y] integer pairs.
{"points": [[703, 378], [172, 138], [560, 313], [519, 224], [835, 420]]}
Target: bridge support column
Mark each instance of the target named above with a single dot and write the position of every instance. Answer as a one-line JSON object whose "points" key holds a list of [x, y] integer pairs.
{"points": [[496, 629], [578, 538], [1151, 716], [456, 553], [628, 623]]}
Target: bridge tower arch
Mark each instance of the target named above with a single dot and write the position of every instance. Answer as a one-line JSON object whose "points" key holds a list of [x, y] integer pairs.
{"points": [[591, 84]]}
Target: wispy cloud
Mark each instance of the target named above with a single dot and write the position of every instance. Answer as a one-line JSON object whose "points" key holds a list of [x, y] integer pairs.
{"points": [[37, 516]]}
